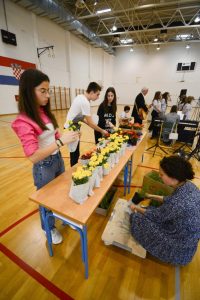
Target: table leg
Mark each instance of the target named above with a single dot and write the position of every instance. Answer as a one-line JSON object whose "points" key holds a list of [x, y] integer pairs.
{"points": [[85, 250], [129, 175], [82, 230], [125, 177]]}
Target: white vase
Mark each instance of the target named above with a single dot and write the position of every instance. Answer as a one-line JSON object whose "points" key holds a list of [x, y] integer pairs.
{"points": [[79, 193], [106, 171], [100, 172], [92, 180], [84, 162], [117, 157], [72, 146], [112, 157], [124, 148], [97, 179]]}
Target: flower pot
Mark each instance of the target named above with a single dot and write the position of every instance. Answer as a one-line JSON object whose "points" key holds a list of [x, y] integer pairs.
{"points": [[112, 158], [84, 161], [117, 157], [100, 172], [106, 171], [79, 193], [92, 180]]}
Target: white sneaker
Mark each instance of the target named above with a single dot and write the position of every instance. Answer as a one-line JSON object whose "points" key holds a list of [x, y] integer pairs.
{"points": [[56, 236]]}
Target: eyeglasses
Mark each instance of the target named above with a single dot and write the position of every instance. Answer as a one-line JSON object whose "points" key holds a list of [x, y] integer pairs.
{"points": [[44, 91]]}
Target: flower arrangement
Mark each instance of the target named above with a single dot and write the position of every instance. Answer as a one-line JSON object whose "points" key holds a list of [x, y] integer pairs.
{"points": [[138, 126], [128, 124], [81, 175], [87, 155], [132, 137], [73, 126]]}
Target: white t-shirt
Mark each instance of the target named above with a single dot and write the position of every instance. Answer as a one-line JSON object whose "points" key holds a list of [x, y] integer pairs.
{"points": [[157, 105], [124, 115], [187, 108], [47, 137], [79, 109]]}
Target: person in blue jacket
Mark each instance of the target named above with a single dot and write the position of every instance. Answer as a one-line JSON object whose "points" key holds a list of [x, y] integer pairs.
{"points": [[171, 231]]}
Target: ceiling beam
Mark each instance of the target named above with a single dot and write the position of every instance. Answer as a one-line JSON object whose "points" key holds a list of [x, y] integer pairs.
{"points": [[168, 5], [157, 43], [148, 30]]}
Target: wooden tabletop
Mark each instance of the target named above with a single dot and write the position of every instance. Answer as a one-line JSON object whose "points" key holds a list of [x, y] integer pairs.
{"points": [[55, 195]]}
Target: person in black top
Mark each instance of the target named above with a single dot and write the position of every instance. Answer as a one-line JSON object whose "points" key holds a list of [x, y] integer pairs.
{"points": [[139, 103], [107, 112]]}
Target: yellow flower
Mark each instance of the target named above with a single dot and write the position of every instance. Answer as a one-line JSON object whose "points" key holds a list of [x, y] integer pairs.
{"points": [[106, 165]]}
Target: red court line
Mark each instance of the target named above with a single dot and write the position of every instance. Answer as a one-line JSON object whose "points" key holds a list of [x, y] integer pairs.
{"points": [[18, 222], [34, 274]]}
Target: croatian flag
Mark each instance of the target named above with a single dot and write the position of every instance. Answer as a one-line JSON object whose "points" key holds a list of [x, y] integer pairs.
{"points": [[11, 70]]}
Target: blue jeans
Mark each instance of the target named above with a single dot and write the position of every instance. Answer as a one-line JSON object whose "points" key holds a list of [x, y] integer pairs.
{"points": [[43, 172]]}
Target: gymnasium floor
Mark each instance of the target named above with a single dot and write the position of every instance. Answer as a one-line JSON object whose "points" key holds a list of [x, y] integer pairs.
{"points": [[28, 272]]}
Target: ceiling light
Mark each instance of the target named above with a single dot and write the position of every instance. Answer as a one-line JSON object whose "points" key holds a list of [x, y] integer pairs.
{"points": [[126, 41], [114, 28], [95, 2], [103, 11], [131, 50], [187, 46], [158, 47], [182, 36], [155, 39], [197, 19]]}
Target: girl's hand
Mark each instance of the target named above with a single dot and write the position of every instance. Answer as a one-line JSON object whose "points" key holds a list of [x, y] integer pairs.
{"points": [[69, 137]]}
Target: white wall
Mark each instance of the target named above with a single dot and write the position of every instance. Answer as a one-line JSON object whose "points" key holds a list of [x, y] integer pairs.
{"points": [[76, 63], [156, 70]]}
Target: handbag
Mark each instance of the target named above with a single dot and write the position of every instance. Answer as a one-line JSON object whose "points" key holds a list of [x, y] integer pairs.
{"points": [[141, 112], [173, 136]]}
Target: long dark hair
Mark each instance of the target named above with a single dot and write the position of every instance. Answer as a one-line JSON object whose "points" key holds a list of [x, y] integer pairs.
{"points": [[114, 102], [27, 104], [157, 95], [164, 96]]}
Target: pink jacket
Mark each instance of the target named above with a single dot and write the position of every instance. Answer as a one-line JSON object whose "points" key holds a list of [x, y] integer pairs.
{"points": [[28, 131]]}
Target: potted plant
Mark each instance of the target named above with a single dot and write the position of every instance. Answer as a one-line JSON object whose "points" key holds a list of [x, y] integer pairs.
{"points": [[84, 159], [105, 204], [73, 126], [80, 185]]}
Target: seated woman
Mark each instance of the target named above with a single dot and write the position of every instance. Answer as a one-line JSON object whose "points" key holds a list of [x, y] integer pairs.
{"points": [[170, 120], [171, 231]]}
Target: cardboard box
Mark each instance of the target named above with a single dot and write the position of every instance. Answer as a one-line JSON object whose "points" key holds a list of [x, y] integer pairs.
{"points": [[151, 184]]}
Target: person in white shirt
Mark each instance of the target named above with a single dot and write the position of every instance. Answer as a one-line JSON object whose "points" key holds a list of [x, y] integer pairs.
{"points": [[156, 110], [165, 98], [125, 113], [187, 108], [80, 111]]}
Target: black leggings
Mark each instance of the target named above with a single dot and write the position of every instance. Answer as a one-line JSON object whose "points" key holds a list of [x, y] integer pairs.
{"points": [[74, 156]]}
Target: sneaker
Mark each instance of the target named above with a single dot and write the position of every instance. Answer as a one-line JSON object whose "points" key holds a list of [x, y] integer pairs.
{"points": [[56, 236]]}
